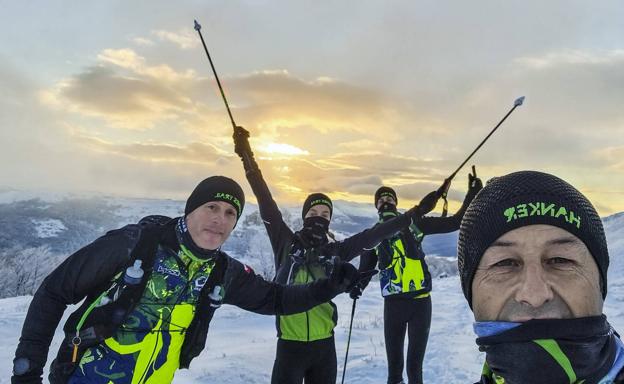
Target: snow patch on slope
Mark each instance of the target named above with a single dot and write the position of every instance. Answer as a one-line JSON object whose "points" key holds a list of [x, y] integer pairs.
{"points": [[48, 228]]}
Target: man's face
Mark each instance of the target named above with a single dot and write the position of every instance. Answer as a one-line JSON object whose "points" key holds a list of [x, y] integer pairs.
{"points": [[536, 272], [211, 224], [385, 199]]}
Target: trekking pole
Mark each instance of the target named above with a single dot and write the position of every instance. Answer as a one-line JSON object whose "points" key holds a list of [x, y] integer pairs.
{"points": [[197, 26], [344, 370], [227, 106], [443, 190]]}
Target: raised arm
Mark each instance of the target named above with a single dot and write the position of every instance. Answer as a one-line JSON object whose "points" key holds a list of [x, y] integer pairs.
{"points": [[430, 225], [276, 228]]}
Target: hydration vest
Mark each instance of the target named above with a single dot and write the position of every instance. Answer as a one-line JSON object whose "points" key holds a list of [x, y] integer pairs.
{"points": [[403, 270], [92, 323]]}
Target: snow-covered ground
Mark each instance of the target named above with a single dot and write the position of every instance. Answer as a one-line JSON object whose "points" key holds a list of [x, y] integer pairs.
{"points": [[241, 345], [48, 228]]}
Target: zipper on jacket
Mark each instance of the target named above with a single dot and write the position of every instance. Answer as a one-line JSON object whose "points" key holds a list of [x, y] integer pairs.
{"points": [[307, 312]]}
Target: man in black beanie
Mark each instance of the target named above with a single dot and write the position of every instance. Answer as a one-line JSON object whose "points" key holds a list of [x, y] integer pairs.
{"points": [[405, 282], [151, 290], [319, 202], [533, 262]]}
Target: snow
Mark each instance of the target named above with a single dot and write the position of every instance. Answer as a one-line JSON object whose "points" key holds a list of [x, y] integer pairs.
{"points": [[48, 228], [241, 345], [614, 227], [10, 195]]}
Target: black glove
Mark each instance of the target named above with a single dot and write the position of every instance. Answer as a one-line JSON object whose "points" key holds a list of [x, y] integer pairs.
{"points": [[241, 142], [25, 373], [474, 183], [343, 275], [363, 279], [355, 292]]}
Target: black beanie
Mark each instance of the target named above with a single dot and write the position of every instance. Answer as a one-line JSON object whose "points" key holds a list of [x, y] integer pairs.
{"points": [[385, 191], [526, 198], [315, 199], [216, 188]]}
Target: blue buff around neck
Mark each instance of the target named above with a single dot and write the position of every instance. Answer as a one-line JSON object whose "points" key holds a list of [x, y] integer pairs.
{"points": [[618, 365], [491, 328]]}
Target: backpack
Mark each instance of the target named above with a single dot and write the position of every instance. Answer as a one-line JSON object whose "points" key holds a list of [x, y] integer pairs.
{"points": [[91, 325]]}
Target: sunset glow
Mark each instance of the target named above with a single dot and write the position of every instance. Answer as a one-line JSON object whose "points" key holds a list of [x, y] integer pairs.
{"points": [[398, 95], [282, 149]]}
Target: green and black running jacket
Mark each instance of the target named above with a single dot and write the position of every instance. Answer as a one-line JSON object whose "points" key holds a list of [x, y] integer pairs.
{"points": [[401, 260], [86, 272], [319, 322]]}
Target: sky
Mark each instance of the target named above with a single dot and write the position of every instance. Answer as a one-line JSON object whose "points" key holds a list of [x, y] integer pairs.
{"points": [[118, 97]]}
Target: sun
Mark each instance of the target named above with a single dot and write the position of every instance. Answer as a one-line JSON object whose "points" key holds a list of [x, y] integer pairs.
{"points": [[282, 149]]}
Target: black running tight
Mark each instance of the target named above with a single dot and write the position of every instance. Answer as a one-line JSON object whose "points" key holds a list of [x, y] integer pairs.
{"points": [[413, 315]]}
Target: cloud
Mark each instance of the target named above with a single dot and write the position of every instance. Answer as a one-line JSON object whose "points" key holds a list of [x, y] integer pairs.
{"points": [[184, 38], [140, 176], [22, 121], [129, 59], [278, 100], [124, 58], [363, 145], [610, 157], [127, 92], [571, 57], [122, 101], [124, 91], [160, 152], [573, 106], [355, 177], [570, 87], [347, 139], [389, 164], [142, 41]]}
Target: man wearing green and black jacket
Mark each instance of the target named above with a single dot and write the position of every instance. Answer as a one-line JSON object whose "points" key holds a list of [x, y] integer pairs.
{"points": [[305, 348], [405, 282], [151, 290]]}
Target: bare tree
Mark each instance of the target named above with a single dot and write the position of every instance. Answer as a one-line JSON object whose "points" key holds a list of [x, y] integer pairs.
{"points": [[24, 269]]}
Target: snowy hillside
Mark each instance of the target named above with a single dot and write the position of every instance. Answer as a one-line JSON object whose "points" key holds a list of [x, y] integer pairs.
{"points": [[37, 213], [614, 226], [41, 230]]}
